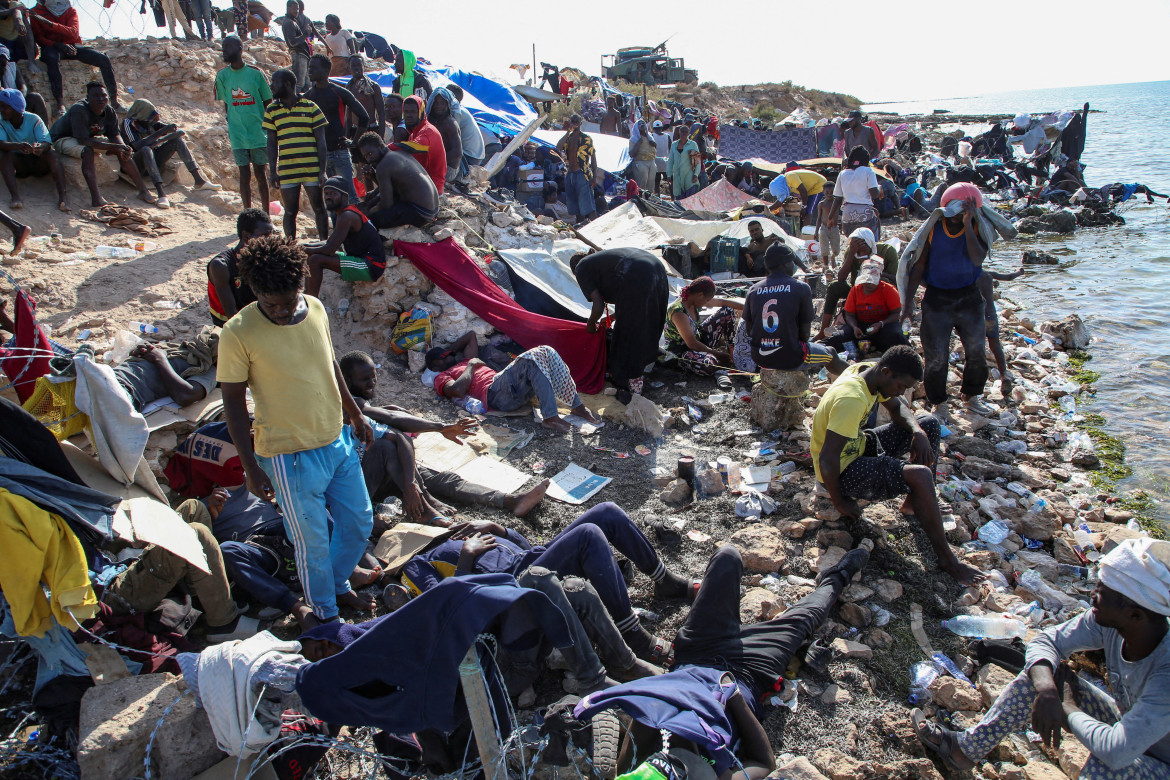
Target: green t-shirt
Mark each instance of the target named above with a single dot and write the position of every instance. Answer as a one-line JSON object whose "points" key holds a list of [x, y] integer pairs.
{"points": [[244, 91]]}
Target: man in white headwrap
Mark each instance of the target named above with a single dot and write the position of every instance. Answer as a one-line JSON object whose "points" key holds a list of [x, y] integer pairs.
{"points": [[1128, 733]]}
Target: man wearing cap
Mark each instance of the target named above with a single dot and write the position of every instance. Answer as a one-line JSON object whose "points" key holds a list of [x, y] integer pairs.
{"points": [[25, 148], [858, 134], [661, 151], [406, 193], [364, 255], [873, 312], [154, 142], [778, 315], [949, 265], [1127, 729]]}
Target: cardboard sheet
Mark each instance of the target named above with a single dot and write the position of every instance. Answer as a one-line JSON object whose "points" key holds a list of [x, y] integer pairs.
{"points": [[154, 522], [436, 452]]}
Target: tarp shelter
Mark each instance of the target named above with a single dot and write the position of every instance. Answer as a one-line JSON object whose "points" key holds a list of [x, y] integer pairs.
{"points": [[625, 226], [720, 195], [452, 269], [613, 152], [546, 272]]}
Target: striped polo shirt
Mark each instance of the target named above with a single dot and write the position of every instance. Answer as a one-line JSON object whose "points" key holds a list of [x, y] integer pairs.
{"points": [[296, 146]]}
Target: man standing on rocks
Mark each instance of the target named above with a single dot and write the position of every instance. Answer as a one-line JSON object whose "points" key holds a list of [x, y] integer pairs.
{"points": [[576, 148], [949, 265], [858, 134], [298, 36], [336, 103], [852, 462], [296, 145], [369, 94], [245, 95]]}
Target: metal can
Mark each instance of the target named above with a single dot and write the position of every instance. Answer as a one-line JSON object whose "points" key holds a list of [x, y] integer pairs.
{"points": [[723, 463]]}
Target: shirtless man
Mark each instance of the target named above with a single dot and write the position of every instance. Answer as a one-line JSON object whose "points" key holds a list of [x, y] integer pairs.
{"points": [[406, 195], [369, 94]]}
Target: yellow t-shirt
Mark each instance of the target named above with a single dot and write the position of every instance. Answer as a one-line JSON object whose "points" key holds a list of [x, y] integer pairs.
{"points": [[289, 369], [843, 410], [813, 182]]}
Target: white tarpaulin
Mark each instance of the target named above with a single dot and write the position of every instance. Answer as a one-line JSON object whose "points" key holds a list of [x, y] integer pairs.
{"points": [[625, 226], [547, 269], [613, 152]]}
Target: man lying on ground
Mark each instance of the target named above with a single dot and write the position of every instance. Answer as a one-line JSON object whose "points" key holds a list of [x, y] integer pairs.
{"points": [[27, 148], [853, 462], [582, 550], [154, 143], [227, 292], [354, 248], [150, 374], [1127, 733], [389, 465], [406, 195], [722, 665], [539, 372]]}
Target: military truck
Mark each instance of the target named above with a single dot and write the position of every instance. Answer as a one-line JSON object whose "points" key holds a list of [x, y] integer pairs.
{"points": [[647, 65]]}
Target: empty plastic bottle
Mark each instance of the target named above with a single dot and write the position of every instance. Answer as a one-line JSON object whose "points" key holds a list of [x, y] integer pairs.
{"points": [[471, 404], [993, 532], [142, 327], [1032, 582], [944, 661], [984, 627], [1077, 572], [102, 250], [922, 674]]}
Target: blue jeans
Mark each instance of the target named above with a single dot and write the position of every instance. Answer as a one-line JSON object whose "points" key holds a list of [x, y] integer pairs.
{"points": [[517, 383], [583, 550], [305, 483], [579, 194], [339, 163]]}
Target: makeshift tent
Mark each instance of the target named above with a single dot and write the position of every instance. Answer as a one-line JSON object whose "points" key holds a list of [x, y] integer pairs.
{"points": [[547, 273], [625, 226], [721, 195], [452, 269], [613, 152]]}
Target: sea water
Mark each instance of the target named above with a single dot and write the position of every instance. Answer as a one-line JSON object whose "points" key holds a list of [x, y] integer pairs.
{"points": [[1116, 278]]}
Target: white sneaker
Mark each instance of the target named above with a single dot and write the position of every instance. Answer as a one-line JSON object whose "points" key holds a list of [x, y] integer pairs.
{"points": [[977, 405], [210, 186], [942, 412]]}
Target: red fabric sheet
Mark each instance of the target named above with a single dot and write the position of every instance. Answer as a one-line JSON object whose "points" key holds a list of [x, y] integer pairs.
{"points": [[22, 364], [448, 266]]}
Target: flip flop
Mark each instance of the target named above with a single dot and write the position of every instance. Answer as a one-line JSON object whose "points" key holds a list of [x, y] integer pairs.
{"points": [[939, 740]]}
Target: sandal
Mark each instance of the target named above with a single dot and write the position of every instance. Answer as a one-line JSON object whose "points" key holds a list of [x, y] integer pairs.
{"points": [[661, 652], [940, 740]]}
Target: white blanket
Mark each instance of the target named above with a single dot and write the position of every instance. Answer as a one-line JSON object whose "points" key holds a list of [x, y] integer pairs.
{"points": [[117, 431]]}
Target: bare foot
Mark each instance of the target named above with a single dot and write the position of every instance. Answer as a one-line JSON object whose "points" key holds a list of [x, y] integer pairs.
{"points": [[63, 206], [363, 577], [583, 411], [18, 241], [305, 617], [97, 203], [16, 204], [907, 507], [357, 601], [557, 424], [146, 197], [963, 574], [526, 502]]}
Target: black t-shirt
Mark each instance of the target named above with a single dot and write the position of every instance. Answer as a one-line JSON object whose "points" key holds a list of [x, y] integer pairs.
{"points": [[329, 100], [774, 311], [80, 123]]}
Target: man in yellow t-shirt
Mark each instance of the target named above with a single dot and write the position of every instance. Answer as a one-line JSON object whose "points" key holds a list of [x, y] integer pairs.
{"points": [[279, 348], [852, 461], [807, 185]]}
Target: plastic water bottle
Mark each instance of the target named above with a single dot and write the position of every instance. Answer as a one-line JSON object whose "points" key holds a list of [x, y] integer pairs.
{"points": [[922, 674], [944, 661], [1076, 572], [1032, 582], [471, 404], [142, 327], [984, 627], [993, 532], [103, 250]]}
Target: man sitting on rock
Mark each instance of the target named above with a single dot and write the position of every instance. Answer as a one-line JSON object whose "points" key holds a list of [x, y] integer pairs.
{"points": [[861, 247], [27, 148], [778, 315], [154, 143], [539, 372], [389, 464], [581, 550], [354, 249], [1127, 733], [873, 312], [78, 134], [853, 462], [725, 672], [406, 194]]}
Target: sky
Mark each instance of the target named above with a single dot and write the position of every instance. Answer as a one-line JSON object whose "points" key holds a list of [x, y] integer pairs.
{"points": [[1001, 47]]}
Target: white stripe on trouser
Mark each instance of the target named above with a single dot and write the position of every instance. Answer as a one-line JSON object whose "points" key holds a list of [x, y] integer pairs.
{"points": [[292, 527], [659, 572], [629, 623]]}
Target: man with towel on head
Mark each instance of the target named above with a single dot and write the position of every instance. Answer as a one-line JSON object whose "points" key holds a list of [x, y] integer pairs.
{"points": [[1128, 733]]}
